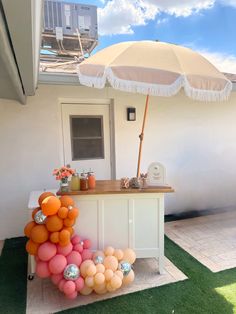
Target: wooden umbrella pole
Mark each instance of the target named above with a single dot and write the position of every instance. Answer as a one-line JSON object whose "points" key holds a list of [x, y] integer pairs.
{"points": [[141, 136]]}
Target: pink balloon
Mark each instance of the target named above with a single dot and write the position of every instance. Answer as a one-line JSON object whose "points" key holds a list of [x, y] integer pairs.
{"points": [[61, 284], [78, 247], [72, 295], [75, 239], [56, 278], [87, 244], [79, 283], [86, 254], [36, 258], [69, 287], [74, 258], [64, 250], [57, 264], [46, 251], [42, 269]]}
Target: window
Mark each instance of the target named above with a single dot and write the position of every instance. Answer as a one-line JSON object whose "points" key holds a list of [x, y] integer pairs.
{"points": [[87, 138]]}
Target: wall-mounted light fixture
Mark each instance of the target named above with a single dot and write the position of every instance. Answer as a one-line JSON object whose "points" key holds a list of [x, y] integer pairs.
{"points": [[131, 114]]}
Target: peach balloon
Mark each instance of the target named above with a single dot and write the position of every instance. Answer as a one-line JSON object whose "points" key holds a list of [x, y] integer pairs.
{"points": [[109, 250], [118, 254], [86, 290], [119, 274], [129, 256], [109, 287], [100, 268], [89, 281], [129, 278], [99, 279], [116, 282], [83, 267], [108, 274], [91, 270], [111, 262]]}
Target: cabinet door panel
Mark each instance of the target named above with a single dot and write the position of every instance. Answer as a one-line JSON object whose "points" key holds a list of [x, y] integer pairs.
{"points": [[116, 223], [145, 223]]}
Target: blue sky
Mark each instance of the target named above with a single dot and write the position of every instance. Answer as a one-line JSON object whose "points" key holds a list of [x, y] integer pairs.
{"points": [[207, 26]]}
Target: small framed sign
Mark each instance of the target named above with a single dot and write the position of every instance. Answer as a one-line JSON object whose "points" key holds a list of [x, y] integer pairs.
{"points": [[156, 175]]}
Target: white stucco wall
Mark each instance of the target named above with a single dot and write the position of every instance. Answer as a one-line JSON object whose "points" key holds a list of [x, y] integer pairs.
{"points": [[195, 141]]}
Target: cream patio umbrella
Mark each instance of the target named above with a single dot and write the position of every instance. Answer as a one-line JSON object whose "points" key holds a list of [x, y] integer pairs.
{"points": [[154, 68]]}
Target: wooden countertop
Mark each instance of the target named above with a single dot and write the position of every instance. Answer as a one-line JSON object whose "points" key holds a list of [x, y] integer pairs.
{"points": [[113, 187]]}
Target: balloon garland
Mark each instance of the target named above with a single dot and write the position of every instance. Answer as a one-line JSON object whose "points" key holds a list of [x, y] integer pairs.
{"points": [[66, 258]]}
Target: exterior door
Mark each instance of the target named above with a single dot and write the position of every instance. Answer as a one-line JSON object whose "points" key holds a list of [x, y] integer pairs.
{"points": [[86, 138]]}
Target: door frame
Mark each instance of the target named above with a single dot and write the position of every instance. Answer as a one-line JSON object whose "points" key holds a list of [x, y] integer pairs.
{"points": [[92, 101]]}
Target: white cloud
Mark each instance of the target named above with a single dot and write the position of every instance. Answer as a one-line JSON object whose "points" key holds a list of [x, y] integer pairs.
{"points": [[182, 8], [119, 16], [162, 21], [223, 62]]}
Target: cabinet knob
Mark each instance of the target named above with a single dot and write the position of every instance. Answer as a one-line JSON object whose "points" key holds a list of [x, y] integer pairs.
{"points": [[130, 221]]}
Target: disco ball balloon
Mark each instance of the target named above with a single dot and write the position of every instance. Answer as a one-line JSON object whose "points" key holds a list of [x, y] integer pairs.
{"points": [[98, 260], [71, 272], [40, 218], [125, 267]]}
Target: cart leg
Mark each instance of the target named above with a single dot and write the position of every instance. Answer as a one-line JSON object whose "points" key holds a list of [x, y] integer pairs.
{"points": [[31, 267]]}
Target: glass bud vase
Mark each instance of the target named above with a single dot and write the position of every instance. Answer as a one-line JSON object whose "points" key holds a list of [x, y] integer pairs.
{"points": [[64, 185]]}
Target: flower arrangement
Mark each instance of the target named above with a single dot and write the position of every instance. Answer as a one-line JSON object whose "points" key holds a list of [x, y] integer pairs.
{"points": [[63, 173]]}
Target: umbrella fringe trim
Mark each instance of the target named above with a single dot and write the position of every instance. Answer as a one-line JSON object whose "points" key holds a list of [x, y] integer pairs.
{"points": [[208, 95], [91, 81], [155, 89], [142, 87]]}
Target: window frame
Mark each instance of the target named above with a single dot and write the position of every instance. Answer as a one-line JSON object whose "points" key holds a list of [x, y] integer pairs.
{"points": [[72, 138]]}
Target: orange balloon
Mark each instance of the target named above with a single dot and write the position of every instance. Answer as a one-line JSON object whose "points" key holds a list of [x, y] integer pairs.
{"points": [[32, 247], [43, 196], [68, 222], [64, 243], [50, 205], [66, 201], [35, 211], [39, 234], [63, 212], [28, 228], [73, 213], [54, 223], [54, 237], [70, 229], [64, 236]]}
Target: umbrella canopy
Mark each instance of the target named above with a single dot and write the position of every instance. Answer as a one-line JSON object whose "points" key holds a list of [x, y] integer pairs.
{"points": [[154, 68]]}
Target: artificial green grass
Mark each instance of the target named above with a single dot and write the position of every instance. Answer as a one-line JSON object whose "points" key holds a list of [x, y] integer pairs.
{"points": [[13, 276], [203, 293], [196, 295]]}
